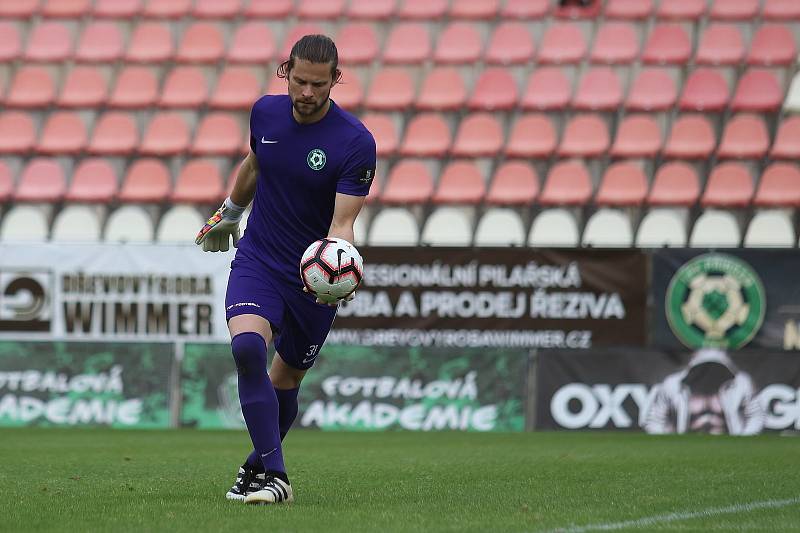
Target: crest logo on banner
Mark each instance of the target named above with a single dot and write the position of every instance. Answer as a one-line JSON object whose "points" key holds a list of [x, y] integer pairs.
{"points": [[25, 302]]}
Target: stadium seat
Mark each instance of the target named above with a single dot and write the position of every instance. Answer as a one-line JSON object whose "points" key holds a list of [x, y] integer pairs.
{"points": [[357, 44], [77, 223], [100, 42], [184, 87], [688, 10], [675, 184], [500, 227], [715, 229], [171, 9], [447, 226], [407, 43], [792, 101], [758, 91], [19, 9], [409, 182], [422, 9], [383, 129], [479, 134], [567, 183], [293, 34], [391, 90], [129, 223], [770, 229], [136, 87], [548, 89], [691, 137], [459, 43], [652, 90], [17, 133], [150, 42], [474, 9], [147, 181], [562, 43], [667, 44], [26, 223], [584, 136], [217, 134], [6, 182], [514, 183], [270, 9], [744, 137], [782, 10], [202, 42], [721, 44], [94, 180], [460, 183], [119, 9], [623, 184], [638, 135], [729, 186], [628, 9], [371, 9], [738, 10], [277, 85], [531, 136], [115, 133], [166, 134], [662, 227], [442, 90], [216, 9], [237, 88], [705, 90], [33, 86], [393, 226], [598, 90], [779, 186], [84, 87], [348, 93], [554, 228], [63, 133], [42, 180], [773, 44], [495, 90], [10, 41], [524, 9], [616, 43], [49, 41], [427, 135], [253, 42], [179, 224], [787, 139], [198, 182], [320, 9], [511, 44], [608, 228]]}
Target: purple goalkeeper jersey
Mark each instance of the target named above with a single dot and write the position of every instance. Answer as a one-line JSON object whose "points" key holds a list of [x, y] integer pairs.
{"points": [[301, 167]]}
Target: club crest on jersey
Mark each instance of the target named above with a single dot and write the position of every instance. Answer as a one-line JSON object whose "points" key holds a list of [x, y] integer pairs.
{"points": [[316, 159]]}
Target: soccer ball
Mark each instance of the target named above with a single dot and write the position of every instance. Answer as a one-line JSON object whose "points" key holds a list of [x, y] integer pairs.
{"points": [[331, 269]]}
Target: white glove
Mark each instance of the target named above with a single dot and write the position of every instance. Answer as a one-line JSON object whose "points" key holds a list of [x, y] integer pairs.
{"points": [[223, 225]]}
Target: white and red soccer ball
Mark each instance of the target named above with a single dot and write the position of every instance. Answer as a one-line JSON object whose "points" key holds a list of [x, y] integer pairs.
{"points": [[331, 269]]}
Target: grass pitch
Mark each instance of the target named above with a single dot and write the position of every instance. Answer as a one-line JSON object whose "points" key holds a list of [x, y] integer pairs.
{"points": [[103, 480]]}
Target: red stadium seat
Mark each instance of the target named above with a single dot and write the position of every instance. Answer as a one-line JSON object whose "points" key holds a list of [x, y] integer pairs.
{"points": [[65, 8], [787, 139], [495, 90], [100, 42], [383, 129], [217, 134], [357, 44], [740, 10], [744, 137], [295, 33], [637, 136], [779, 186], [729, 185], [629, 9], [117, 8], [185, 87], [721, 44], [409, 182], [93, 181], [584, 136], [136, 87], [422, 9], [167, 134], [681, 9], [548, 89], [427, 135], [172, 9], [567, 183], [42, 180], [652, 90], [17, 132], [758, 91], [479, 134], [371, 9], [115, 133], [675, 184], [460, 183], [147, 181], [10, 41], [692, 137], [150, 42], [32, 87], [391, 90], [237, 88], [6, 182], [84, 87], [277, 86], [511, 44], [532, 136], [616, 43], [598, 90], [49, 41], [199, 181], [407, 43], [514, 183], [668, 44], [19, 8], [253, 42], [525, 9], [202, 42], [562, 43], [216, 9], [320, 9], [64, 132], [773, 44], [705, 90], [623, 184], [459, 43], [442, 90], [348, 93], [272, 9], [474, 9], [781, 10]]}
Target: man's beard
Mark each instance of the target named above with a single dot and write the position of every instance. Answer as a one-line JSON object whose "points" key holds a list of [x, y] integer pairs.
{"points": [[308, 111]]}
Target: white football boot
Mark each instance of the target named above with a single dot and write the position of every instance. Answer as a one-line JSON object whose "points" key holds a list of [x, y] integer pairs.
{"points": [[274, 490]]}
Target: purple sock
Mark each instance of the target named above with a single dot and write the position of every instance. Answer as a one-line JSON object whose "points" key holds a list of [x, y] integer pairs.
{"points": [[287, 405], [258, 399]]}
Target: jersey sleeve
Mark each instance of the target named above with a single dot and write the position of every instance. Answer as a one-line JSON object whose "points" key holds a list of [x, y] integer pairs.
{"points": [[358, 169]]}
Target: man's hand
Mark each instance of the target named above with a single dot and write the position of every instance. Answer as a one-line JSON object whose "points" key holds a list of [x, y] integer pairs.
{"points": [[223, 225], [347, 298]]}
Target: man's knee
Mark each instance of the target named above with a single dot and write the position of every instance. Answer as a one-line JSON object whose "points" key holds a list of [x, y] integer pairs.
{"points": [[284, 376], [250, 353]]}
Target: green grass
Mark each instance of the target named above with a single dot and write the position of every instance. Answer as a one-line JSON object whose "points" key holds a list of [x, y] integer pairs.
{"points": [[103, 480]]}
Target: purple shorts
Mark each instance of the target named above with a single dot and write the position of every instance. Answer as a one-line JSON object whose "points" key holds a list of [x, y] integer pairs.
{"points": [[299, 324]]}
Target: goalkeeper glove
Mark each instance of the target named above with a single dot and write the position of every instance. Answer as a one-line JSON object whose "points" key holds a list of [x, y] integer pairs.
{"points": [[223, 224]]}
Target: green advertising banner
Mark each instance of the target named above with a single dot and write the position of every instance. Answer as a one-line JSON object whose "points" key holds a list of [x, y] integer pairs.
{"points": [[374, 388], [120, 385]]}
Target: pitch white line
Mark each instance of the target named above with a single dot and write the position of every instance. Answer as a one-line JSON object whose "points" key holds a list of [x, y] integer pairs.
{"points": [[674, 517]]}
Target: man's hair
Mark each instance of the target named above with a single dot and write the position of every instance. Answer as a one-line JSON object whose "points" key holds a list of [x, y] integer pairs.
{"points": [[315, 49]]}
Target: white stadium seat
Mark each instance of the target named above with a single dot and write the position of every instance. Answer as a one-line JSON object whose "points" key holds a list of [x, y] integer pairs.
{"points": [[78, 223], [25, 223], [715, 229], [360, 226], [608, 228], [130, 223], [770, 228], [179, 224], [394, 226], [662, 227], [554, 227], [500, 227], [792, 101], [448, 226]]}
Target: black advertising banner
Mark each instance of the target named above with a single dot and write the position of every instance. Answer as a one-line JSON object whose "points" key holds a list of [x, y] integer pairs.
{"points": [[504, 297], [727, 299], [705, 391]]}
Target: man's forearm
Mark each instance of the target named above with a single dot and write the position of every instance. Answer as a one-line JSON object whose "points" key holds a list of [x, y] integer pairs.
{"points": [[344, 231], [245, 187]]}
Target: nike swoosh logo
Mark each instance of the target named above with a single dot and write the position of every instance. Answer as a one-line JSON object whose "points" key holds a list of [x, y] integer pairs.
{"points": [[309, 359], [269, 452], [265, 141]]}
